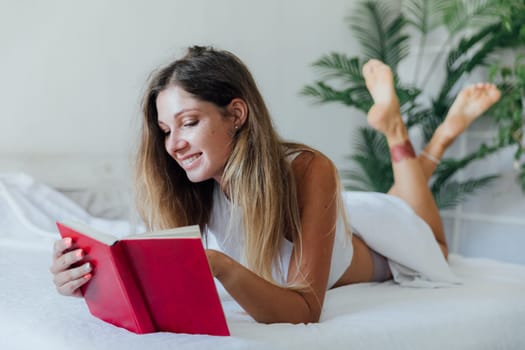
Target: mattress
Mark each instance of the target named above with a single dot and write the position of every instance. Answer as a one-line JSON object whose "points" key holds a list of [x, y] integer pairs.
{"points": [[485, 311]]}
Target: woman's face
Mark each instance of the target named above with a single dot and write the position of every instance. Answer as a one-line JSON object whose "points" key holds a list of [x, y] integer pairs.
{"points": [[197, 135]]}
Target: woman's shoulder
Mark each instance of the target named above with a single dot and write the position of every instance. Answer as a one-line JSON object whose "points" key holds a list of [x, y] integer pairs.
{"points": [[316, 179], [305, 154], [309, 163]]}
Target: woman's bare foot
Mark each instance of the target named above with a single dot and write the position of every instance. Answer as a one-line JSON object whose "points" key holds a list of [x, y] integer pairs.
{"points": [[470, 103], [384, 115]]}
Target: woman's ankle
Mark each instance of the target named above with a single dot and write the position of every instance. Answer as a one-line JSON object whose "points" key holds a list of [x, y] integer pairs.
{"points": [[402, 151], [396, 134], [442, 139]]}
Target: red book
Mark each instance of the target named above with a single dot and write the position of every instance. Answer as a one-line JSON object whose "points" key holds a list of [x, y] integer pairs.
{"points": [[152, 282]]}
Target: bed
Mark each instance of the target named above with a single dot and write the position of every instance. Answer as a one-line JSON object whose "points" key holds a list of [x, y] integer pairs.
{"points": [[486, 311]]}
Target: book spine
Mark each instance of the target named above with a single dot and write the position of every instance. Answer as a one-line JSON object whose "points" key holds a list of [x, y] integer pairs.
{"points": [[132, 291]]}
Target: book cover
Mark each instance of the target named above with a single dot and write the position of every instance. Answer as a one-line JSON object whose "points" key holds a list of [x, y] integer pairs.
{"points": [[151, 282]]}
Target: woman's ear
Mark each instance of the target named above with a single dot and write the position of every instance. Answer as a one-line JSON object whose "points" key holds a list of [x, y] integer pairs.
{"points": [[239, 110]]}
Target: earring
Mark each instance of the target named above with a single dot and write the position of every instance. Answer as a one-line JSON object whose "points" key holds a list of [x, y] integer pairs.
{"points": [[236, 127]]}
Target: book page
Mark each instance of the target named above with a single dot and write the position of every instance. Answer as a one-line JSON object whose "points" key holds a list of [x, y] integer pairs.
{"points": [[91, 232], [178, 232]]}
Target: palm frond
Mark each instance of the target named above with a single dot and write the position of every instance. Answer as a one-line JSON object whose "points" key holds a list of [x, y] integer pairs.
{"points": [[452, 193], [462, 55], [417, 115], [521, 177], [373, 144], [474, 52], [425, 15], [323, 93], [433, 118], [358, 181], [379, 29], [407, 97], [375, 174], [340, 66], [372, 158], [448, 167], [357, 96], [460, 14], [362, 98], [397, 46]]}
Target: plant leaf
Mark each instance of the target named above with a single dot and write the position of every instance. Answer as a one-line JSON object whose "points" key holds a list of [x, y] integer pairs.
{"points": [[340, 66], [452, 193], [425, 15], [460, 14], [354, 96], [372, 158], [379, 29]]}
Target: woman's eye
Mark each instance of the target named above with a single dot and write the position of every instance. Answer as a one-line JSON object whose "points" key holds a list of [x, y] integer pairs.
{"points": [[191, 123]]}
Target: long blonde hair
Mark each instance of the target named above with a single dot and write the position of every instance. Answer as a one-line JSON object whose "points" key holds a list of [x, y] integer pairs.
{"points": [[257, 177]]}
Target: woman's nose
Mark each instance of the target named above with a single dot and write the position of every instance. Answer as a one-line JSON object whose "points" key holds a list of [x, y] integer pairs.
{"points": [[175, 144]]}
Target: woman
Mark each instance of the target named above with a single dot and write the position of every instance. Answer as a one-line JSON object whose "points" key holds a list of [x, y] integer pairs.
{"points": [[209, 155]]}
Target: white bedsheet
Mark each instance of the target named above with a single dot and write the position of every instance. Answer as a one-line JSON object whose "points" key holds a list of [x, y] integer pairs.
{"points": [[486, 312]]}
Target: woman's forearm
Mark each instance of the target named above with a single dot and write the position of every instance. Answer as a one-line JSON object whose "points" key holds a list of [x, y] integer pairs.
{"points": [[264, 301]]}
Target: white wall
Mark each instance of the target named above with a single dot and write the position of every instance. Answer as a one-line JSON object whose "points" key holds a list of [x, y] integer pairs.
{"points": [[72, 72]]}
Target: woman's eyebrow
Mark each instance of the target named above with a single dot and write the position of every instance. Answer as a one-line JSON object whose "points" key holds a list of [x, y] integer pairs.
{"points": [[184, 110], [178, 114]]}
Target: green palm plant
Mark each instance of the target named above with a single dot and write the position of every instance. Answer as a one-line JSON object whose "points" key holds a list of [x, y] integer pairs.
{"points": [[382, 31]]}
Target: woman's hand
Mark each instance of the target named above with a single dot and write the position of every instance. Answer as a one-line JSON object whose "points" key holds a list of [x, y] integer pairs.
{"points": [[68, 278]]}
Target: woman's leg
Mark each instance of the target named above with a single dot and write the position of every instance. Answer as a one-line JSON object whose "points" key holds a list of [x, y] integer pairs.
{"points": [[411, 174], [410, 181], [470, 103]]}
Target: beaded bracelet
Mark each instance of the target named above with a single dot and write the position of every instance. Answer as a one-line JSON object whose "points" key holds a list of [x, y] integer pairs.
{"points": [[430, 157]]}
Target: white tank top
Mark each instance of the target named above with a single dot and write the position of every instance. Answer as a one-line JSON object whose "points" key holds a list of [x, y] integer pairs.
{"points": [[230, 238]]}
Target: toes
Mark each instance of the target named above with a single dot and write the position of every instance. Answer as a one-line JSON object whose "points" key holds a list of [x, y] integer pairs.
{"points": [[469, 90], [372, 66], [489, 90], [482, 89], [494, 93], [368, 68], [477, 90]]}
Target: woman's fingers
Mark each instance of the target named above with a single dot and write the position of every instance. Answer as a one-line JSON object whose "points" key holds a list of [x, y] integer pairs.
{"points": [[68, 279], [67, 282], [72, 274], [71, 288], [61, 246], [64, 261]]}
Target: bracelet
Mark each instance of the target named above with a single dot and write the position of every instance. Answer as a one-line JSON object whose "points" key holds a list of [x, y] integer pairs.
{"points": [[402, 151], [430, 157]]}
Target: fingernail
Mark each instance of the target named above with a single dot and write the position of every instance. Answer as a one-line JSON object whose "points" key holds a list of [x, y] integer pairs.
{"points": [[79, 253], [88, 276], [87, 267], [68, 241]]}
